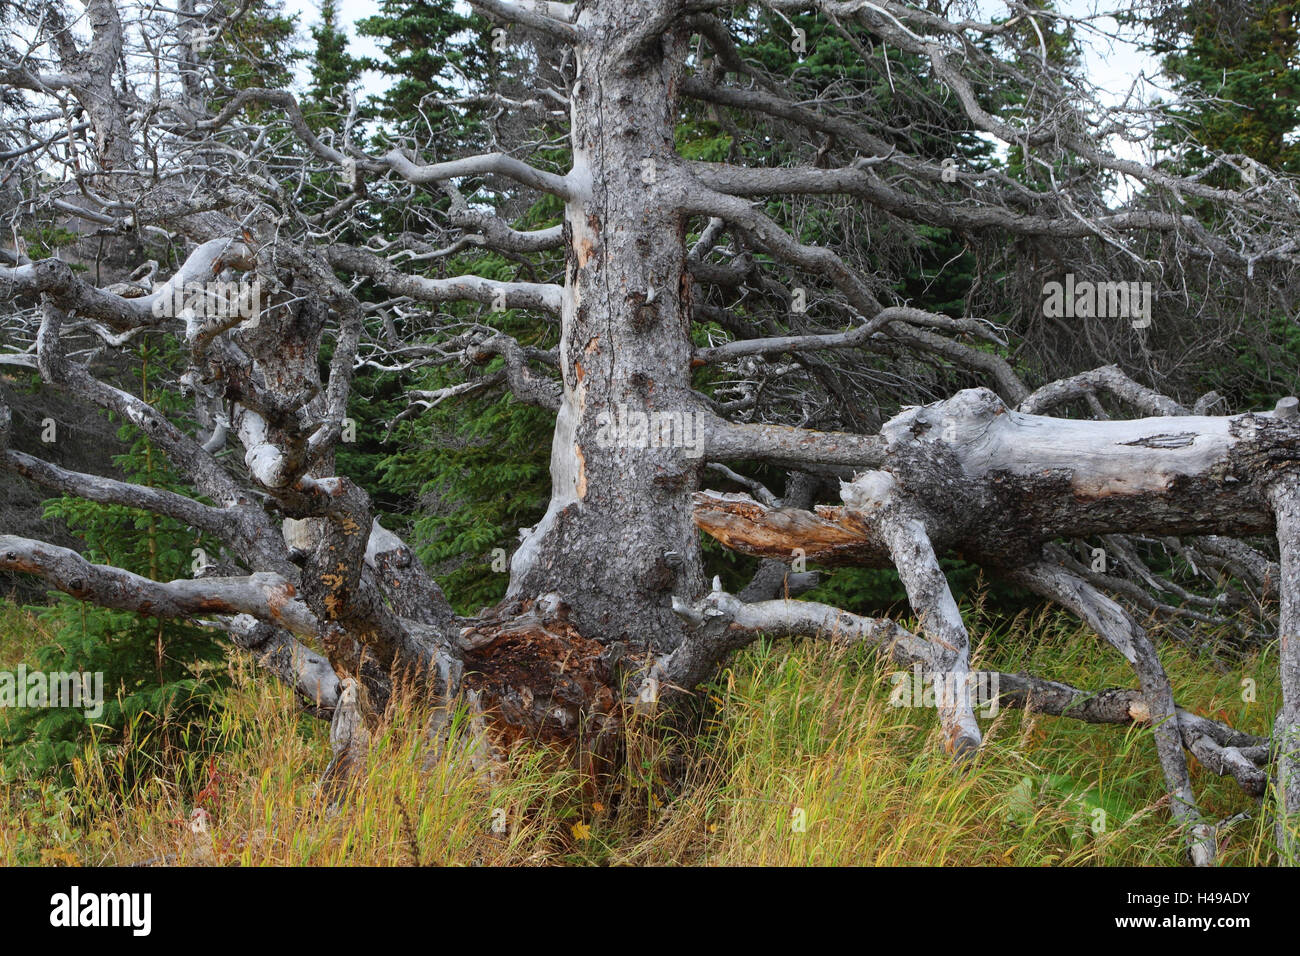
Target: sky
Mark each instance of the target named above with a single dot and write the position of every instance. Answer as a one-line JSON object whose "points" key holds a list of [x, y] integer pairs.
{"points": [[1114, 66], [349, 12]]}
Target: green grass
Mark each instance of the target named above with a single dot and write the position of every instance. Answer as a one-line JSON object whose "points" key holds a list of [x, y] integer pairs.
{"points": [[797, 758]]}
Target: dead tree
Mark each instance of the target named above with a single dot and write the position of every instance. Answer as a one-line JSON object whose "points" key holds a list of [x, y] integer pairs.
{"points": [[608, 607]]}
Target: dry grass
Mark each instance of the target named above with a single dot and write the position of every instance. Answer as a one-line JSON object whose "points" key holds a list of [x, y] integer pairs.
{"points": [[796, 758]]}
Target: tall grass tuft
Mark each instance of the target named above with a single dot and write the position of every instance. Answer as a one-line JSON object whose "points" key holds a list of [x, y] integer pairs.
{"points": [[794, 756]]}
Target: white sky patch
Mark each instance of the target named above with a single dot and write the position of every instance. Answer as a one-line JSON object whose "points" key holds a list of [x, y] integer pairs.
{"points": [[347, 13]]}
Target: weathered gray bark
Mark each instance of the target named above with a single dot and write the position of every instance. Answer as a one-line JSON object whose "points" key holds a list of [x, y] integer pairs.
{"points": [[1003, 483], [998, 486], [1286, 729], [617, 540], [874, 497]]}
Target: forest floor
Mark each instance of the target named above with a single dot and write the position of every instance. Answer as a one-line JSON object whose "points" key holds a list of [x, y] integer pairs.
{"points": [[798, 756]]}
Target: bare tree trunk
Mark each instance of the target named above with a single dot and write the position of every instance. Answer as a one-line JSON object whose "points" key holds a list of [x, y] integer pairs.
{"points": [[618, 539], [1286, 729]]}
